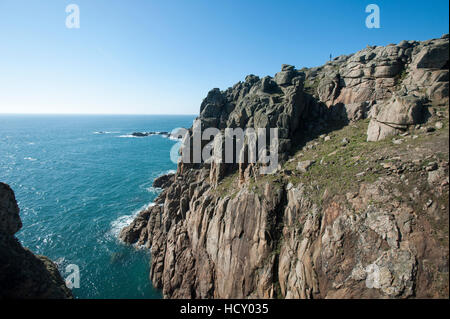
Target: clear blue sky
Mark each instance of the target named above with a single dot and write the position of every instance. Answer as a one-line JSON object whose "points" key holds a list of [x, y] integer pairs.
{"points": [[162, 57]]}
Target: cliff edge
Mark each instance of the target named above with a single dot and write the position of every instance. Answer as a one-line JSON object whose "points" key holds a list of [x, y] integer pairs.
{"points": [[358, 207]]}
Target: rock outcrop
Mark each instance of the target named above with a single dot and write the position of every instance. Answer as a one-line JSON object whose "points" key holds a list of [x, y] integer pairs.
{"points": [[395, 116], [164, 180], [381, 76], [345, 216], [22, 274]]}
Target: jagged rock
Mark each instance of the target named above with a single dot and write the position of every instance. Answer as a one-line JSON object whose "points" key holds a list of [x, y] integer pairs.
{"points": [[218, 235], [287, 67], [10, 222], [212, 106], [356, 111], [268, 85], [139, 134], [433, 57], [24, 275], [392, 273], [285, 76], [164, 180], [383, 224], [133, 232], [143, 134]]}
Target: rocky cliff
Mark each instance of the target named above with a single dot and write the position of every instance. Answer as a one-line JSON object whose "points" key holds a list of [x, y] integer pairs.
{"points": [[23, 274], [358, 207]]}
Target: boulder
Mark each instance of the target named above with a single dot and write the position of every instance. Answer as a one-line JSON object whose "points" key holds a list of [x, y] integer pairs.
{"points": [[433, 57], [378, 131], [268, 85], [396, 114], [387, 71], [436, 176], [304, 165], [284, 77], [400, 111], [287, 67], [139, 134]]}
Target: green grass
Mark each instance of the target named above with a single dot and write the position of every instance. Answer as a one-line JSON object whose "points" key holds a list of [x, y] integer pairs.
{"points": [[339, 175], [343, 162], [229, 186], [400, 77]]}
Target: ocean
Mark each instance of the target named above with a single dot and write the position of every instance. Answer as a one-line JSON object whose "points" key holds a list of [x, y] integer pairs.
{"points": [[78, 180]]}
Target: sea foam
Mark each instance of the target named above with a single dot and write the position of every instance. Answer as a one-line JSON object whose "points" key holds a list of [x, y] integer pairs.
{"points": [[118, 224]]}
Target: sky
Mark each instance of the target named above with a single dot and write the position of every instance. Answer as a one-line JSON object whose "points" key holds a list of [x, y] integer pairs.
{"points": [[162, 57]]}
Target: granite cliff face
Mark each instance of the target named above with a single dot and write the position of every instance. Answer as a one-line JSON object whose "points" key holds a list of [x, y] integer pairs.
{"points": [[22, 274], [358, 207]]}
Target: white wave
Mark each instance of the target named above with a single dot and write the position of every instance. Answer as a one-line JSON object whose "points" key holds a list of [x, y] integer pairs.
{"points": [[139, 247], [173, 138], [29, 159], [105, 132], [125, 220], [60, 261], [128, 135], [121, 222], [152, 189], [170, 171]]}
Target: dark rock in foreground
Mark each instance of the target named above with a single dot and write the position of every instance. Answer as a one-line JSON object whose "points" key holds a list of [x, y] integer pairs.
{"points": [[23, 274]]}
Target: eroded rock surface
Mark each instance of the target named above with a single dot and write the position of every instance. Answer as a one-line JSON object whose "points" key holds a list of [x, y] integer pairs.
{"points": [[314, 231]]}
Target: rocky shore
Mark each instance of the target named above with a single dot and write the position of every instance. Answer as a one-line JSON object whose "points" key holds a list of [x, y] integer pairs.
{"points": [[24, 275], [358, 207], [143, 134]]}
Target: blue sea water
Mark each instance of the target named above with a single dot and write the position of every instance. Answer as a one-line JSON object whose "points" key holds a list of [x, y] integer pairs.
{"points": [[77, 188]]}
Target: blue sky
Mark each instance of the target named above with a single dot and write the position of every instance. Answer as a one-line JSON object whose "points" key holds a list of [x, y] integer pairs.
{"points": [[162, 57]]}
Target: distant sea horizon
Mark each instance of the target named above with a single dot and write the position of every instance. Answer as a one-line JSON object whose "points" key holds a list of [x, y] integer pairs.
{"points": [[79, 179], [97, 114]]}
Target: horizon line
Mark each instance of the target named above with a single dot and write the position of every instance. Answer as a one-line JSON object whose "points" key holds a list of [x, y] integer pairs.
{"points": [[87, 114]]}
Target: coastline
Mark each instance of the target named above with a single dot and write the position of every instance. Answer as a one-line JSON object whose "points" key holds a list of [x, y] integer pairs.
{"points": [[360, 135]]}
